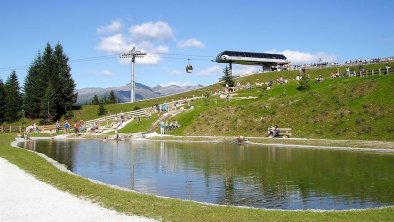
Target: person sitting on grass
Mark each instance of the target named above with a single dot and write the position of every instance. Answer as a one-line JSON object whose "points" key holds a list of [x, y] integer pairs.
{"points": [[319, 79]]}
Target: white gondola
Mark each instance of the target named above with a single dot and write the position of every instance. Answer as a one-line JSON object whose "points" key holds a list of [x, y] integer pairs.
{"points": [[189, 68]]}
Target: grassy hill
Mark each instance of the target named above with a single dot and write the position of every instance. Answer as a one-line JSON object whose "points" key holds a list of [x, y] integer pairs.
{"points": [[341, 108], [354, 108]]}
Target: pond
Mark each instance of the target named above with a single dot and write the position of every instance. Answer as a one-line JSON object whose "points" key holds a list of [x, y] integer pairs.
{"points": [[229, 174]]}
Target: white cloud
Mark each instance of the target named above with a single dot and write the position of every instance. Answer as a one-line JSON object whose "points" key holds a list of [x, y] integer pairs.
{"points": [[115, 26], [178, 84], [190, 43], [106, 72], [299, 58], [175, 72], [214, 70], [113, 44], [245, 69], [142, 36], [152, 31]]}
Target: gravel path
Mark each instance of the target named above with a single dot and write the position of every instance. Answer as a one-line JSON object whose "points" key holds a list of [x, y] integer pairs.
{"points": [[24, 198]]}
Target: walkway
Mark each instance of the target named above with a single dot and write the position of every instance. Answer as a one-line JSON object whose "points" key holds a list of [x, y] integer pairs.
{"points": [[24, 198]]}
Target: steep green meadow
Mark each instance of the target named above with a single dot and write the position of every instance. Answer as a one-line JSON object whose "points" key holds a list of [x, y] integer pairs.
{"points": [[353, 108], [340, 108]]}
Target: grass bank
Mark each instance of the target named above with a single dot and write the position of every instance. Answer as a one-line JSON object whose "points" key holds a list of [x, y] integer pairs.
{"points": [[164, 208]]}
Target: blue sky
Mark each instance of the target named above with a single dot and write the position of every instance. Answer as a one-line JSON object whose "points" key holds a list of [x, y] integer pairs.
{"points": [[173, 31]]}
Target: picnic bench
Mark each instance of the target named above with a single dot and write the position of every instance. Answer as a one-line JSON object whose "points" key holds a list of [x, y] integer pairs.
{"points": [[283, 132]]}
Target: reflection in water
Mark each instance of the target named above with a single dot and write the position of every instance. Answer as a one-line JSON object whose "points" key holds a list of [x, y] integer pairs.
{"points": [[267, 177]]}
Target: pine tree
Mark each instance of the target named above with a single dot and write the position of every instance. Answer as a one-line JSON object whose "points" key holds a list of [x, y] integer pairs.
{"points": [[34, 88], [95, 100], [13, 98], [104, 100], [2, 102], [228, 77], [112, 98], [101, 110], [48, 106], [303, 84], [50, 68], [65, 84]]}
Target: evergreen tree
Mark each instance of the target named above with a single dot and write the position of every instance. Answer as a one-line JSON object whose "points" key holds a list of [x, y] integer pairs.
{"points": [[95, 100], [101, 110], [2, 102], [303, 84], [13, 98], [65, 86], [104, 100], [50, 68], [228, 77], [112, 98], [34, 87], [48, 106]]}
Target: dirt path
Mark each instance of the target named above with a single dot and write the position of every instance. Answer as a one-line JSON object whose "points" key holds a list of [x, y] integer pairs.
{"points": [[24, 198]]}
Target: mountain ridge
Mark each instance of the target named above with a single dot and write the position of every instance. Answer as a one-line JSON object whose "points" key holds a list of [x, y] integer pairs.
{"points": [[85, 95]]}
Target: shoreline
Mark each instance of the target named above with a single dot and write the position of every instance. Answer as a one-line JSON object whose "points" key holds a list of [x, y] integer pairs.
{"points": [[63, 168]]}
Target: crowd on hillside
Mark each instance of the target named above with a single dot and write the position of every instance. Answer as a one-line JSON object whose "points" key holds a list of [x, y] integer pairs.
{"points": [[358, 61]]}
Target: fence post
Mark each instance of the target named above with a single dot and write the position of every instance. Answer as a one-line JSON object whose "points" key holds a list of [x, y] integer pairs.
{"points": [[372, 71], [10, 129], [2, 129], [380, 71]]}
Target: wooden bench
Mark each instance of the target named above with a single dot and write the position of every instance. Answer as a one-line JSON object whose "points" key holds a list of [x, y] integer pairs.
{"points": [[283, 132]]}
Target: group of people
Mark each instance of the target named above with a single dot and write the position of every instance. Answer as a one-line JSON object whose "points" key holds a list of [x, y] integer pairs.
{"points": [[165, 127], [273, 131], [79, 126]]}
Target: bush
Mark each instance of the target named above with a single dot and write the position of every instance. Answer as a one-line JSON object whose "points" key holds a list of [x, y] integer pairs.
{"points": [[303, 84], [101, 110]]}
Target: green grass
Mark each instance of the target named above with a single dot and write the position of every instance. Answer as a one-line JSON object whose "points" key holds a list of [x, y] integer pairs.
{"points": [[342, 108], [352, 108], [135, 127], [164, 208]]}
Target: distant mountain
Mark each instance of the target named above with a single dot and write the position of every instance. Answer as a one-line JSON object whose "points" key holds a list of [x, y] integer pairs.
{"points": [[85, 95], [174, 89]]}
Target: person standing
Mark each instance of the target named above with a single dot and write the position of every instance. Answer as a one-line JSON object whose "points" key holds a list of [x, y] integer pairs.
{"points": [[162, 127], [66, 126], [57, 126]]}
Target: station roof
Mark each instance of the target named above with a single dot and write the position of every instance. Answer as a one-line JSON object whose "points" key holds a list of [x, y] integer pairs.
{"points": [[251, 58]]}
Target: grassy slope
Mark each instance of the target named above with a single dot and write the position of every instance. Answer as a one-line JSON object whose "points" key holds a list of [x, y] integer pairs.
{"points": [[358, 108], [165, 208], [343, 108]]}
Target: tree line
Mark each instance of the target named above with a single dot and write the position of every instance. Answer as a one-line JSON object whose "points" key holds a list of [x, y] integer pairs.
{"points": [[48, 92], [110, 99]]}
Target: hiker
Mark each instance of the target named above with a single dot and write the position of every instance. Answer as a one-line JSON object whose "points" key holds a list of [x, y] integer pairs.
{"points": [[76, 127], [57, 126], [66, 126], [162, 128]]}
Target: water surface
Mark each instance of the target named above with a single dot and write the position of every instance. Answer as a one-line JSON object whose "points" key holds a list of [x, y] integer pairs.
{"points": [[255, 176]]}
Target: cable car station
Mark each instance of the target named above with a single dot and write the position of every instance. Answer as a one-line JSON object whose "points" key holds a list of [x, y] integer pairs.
{"points": [[268, 61]]}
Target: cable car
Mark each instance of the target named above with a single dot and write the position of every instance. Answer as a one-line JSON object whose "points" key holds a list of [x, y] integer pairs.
{"points": [[189, 68]]}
